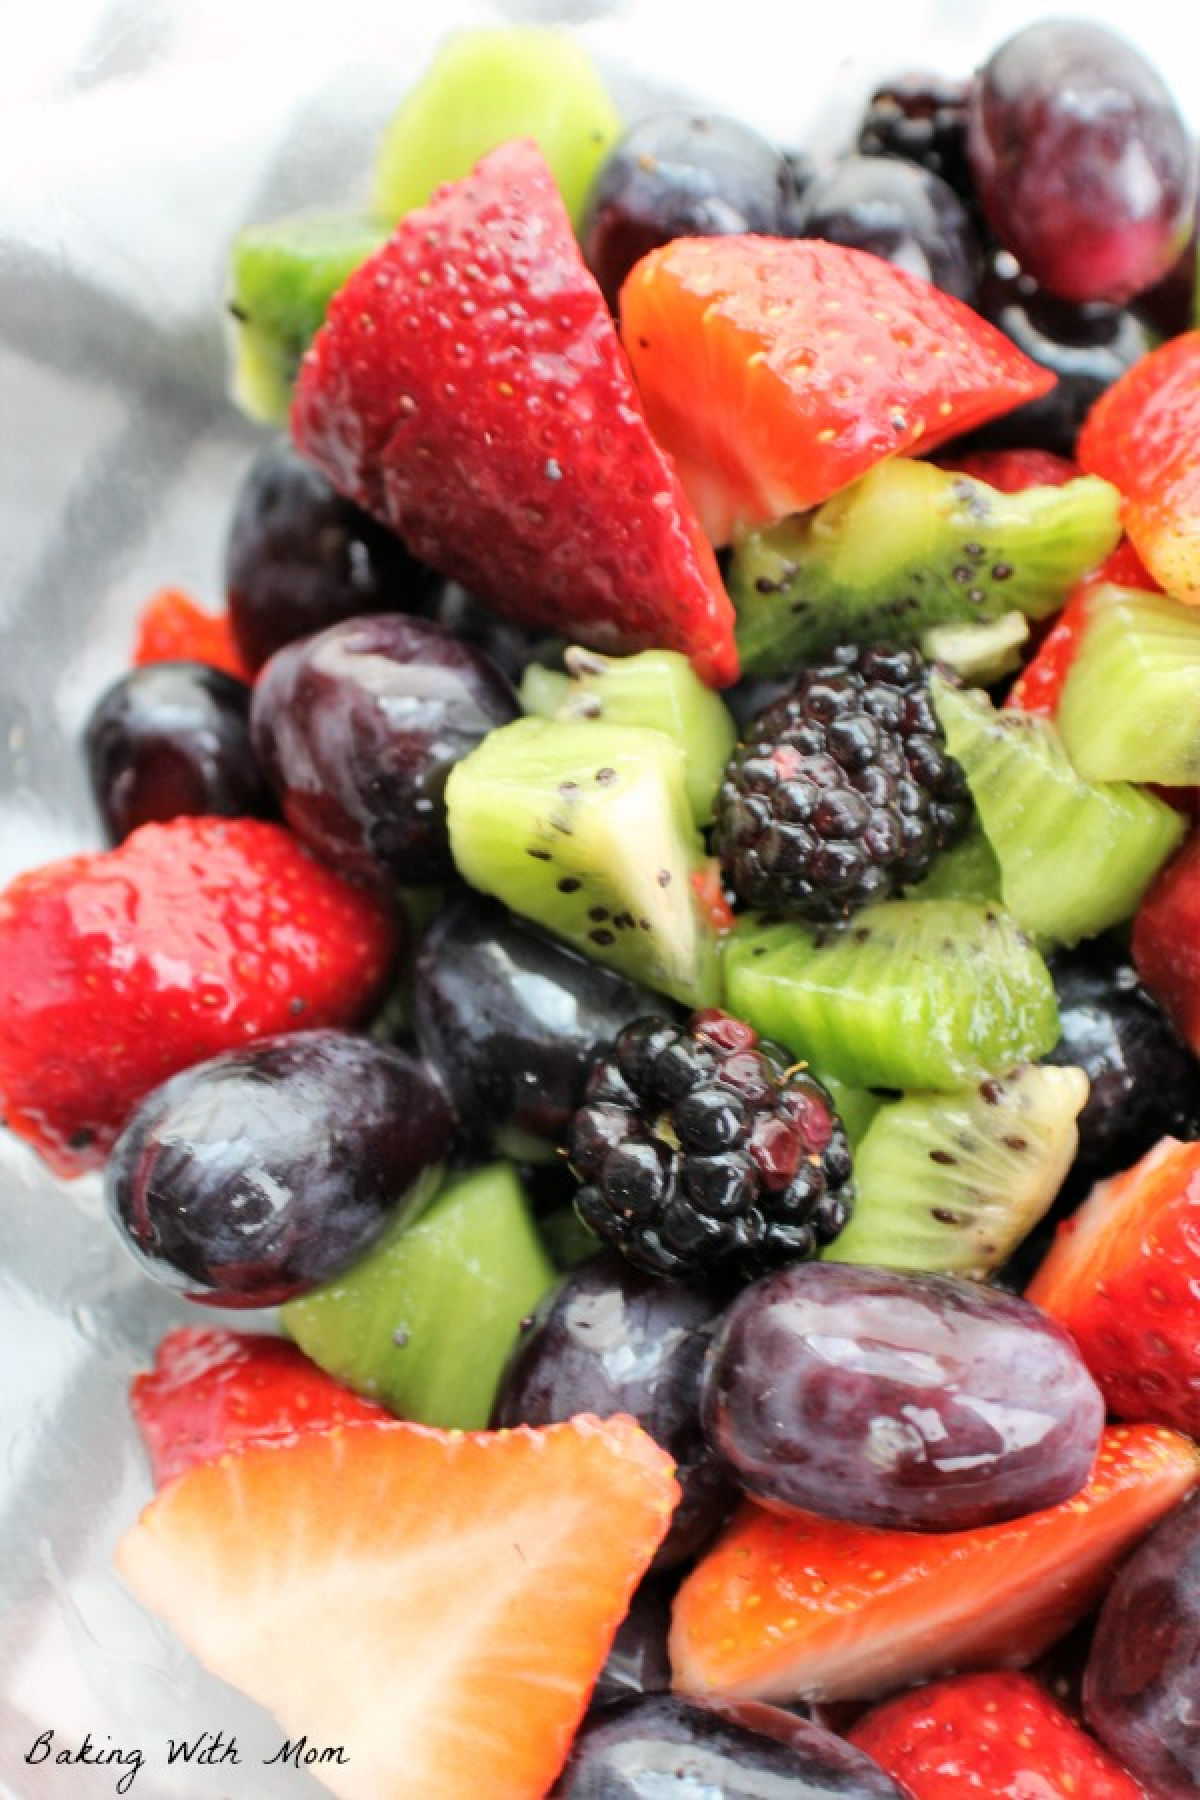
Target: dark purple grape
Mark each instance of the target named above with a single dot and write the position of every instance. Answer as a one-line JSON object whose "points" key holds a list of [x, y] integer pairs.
{"points": [[910, 1401], [612, 1340], [299, 557], [680, 174], [664, 1744], [1086, 346], [252, 1177], [1170, 306], [510, 646], [922, 118], [358, 728], [1081, 160], [900, 212], [512, 1020], [1145, 1082], [173, 738], [639, 1662], [1141, 1689]]}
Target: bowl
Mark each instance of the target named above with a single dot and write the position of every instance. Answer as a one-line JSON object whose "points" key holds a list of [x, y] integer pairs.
{"points": [[137, 137]]}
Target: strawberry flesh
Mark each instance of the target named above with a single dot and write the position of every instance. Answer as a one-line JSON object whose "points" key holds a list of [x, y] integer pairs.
{"points": [[468, 389], [119, 968], [172, 628], [776, 371], [211, 1391]]}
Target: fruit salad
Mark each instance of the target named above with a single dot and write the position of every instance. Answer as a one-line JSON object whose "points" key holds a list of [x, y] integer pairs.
{"points": [[609, 1081]]}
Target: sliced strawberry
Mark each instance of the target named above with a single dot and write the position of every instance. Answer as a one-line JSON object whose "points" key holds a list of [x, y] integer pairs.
{"points": [[211, 1391], [1141, 435], [437, 1603], [709, 890], [119, 968], [1123, 1275], [776, 371], [1124, 568], [998, 1735], [1038, 686], [468, 388], [1166, 940], [812, 1609], [172, 628], [1012, 471]]}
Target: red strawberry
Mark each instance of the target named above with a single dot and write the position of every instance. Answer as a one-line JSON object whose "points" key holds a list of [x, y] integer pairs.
{"points": [[121, 967], [1166, 940], [212, 1390], [172, 628], [1141, 435], [996, 1735], [1037, 688], [776, 371], [1123, 1275], [469, 389], [437, 1603], [813, 1609], [1011, 471]]}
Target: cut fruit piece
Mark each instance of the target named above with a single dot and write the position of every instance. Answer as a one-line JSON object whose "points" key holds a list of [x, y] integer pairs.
{"points": [[482, 88], [211, 1391], [282, 277], [1129, 709], [908, 994], [505, 442], [1075, 857], [424, 1323], [909, 547], [953, 1182], [968, 870], [1037, 688], [1141, 435], [1123, 1276], [1012, 470], [656, 688], [438, 1604], [586, 829], [980, 653], [855, 1107], [805, 1608], [171, 627], [776, 371], [1166, 941]]}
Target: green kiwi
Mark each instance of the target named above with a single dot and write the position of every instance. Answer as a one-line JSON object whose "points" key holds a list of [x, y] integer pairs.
{"points": [[282, 278], [1075, 857], [855, 1106], [1130, 706], [424, 1323], [908, 547], [482, 88], [967, 871], [657, 688], [585, 828], [905, 994], [983, 651], [954, 1182]]}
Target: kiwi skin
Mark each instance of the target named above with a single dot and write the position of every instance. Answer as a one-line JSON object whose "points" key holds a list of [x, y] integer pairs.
{"points": [[952, 1183]]}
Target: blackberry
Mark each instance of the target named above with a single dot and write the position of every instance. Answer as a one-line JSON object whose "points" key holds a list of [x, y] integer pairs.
{"points": [[702, 1147], [922, 119], [841, 791]]}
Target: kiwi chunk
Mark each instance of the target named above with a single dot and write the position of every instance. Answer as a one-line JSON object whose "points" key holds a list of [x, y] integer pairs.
{"points": [[282, 277], [424, 1323], [909, 547], [907, 994], [1130, 706], [968, 870], [954, 1182], [980, 652], [656, 688], [482, 88], [585, 828], [1075, 857]]}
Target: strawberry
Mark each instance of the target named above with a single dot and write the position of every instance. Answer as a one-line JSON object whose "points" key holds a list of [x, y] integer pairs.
{"points": [[775, 371], [468, 388], [808, 1608], [1011, 471], [998, 1735], [1123, 1276], [172, 628], [212, 1390], [1037, 688], [1166, 940], [121, 967], [1141, 435], [439, 1604]]}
